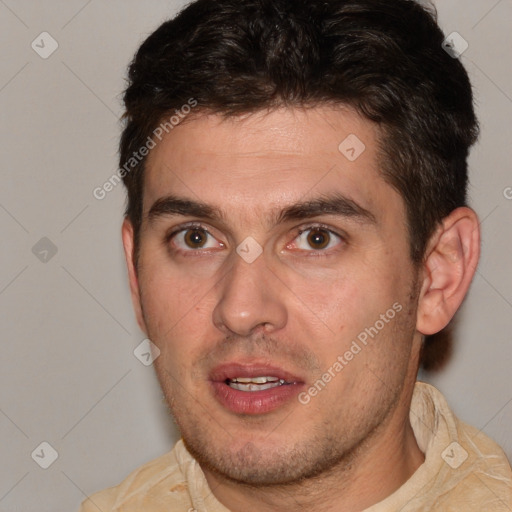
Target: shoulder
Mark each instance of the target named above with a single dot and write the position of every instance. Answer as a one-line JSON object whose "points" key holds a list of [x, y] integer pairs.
{"points": [[475, 468], [147, 488], [486, 469], [467, 470]]}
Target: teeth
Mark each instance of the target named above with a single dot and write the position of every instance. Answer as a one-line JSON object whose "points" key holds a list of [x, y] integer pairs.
{"points": [[255, 383], [253, 387], [256, 380]]}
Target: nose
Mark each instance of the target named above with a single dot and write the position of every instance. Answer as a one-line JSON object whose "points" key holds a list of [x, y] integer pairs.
{"points": [[251, 298]]}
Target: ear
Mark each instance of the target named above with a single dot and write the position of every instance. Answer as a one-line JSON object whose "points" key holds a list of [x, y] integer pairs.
{"points": [[128, 243], [451, 260]]}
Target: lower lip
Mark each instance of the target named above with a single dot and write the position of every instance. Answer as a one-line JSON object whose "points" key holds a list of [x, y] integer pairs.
{"points": [[255, 402]]}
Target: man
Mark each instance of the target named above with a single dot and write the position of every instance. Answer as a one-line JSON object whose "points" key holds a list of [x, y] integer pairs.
{"points": [[296, 226]]}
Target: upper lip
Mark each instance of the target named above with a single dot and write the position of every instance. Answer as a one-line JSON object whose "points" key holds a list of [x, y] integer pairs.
{"points": [[233, 370]]}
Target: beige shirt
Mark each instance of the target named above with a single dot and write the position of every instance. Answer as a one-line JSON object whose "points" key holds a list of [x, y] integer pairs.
{"points": [[463, 471]]}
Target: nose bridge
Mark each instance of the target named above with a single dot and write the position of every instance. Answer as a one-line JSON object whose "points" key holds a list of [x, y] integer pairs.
{"points": [[248, 298]]}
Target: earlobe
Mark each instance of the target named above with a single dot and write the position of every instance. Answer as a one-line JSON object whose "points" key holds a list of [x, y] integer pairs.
{"points": [[128, 244], [449, 267]]}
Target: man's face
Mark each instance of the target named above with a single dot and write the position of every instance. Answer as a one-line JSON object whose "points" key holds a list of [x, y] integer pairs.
{"points": [[329, 304]]}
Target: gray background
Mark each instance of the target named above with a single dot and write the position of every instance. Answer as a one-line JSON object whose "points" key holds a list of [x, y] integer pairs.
{"points": [[69, 375]]}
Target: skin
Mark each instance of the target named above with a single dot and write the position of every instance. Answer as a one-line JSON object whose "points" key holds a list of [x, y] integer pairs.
{"points": [[297, 306]]}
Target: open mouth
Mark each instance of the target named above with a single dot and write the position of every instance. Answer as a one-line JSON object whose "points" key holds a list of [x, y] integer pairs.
{"points": [[252, 388], [255, 383]]}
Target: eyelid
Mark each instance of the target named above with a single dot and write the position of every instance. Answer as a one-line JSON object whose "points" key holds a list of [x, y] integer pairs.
{"points": [[297, 232], [176, 230], [320, 225], [183, 227], [343, 237]]}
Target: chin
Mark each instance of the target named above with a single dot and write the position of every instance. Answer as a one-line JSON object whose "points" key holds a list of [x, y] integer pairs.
{"points": [[257, 465]]}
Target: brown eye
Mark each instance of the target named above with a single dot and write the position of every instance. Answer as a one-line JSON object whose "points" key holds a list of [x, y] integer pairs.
{"points": [[195, 238], [318, 238]]}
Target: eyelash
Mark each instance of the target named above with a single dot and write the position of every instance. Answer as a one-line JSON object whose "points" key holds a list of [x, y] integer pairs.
{"points": [[186, 227], [298, 231], [321, 253]]}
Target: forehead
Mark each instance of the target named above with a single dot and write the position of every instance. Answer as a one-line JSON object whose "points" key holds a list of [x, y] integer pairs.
{"points": [[266, 160]]}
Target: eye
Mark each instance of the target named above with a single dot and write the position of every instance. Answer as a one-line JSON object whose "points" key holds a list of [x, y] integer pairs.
{"points": [[315, 239], [194, 238]]}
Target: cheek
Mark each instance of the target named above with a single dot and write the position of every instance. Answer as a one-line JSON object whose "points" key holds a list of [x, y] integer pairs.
{"points": [[174, 305], [360, 305], [175, 323], [341, 299]]}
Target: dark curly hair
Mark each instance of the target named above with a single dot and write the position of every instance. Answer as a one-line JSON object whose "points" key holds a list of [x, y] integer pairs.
{"points": [[383, 58]]}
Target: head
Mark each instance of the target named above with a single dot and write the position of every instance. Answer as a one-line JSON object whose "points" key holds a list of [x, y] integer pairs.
{"points": [[303, 218]]}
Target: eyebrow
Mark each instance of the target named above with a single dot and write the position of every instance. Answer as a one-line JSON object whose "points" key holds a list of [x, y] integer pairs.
{"points": [[333, 204]]}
